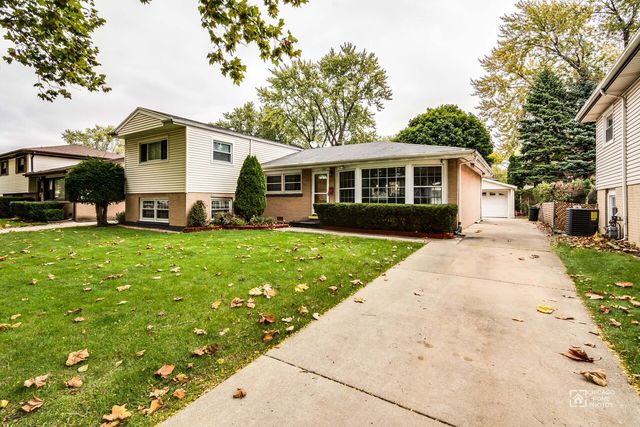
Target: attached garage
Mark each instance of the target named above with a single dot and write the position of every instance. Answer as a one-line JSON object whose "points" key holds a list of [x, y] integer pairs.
{"points": [[498, 199]]}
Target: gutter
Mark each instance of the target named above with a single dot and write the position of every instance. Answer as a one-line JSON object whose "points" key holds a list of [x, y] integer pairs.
{"points": [[625, 189]]}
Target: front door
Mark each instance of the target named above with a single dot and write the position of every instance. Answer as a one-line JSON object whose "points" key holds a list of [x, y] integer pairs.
{"points": [[320, 188]]}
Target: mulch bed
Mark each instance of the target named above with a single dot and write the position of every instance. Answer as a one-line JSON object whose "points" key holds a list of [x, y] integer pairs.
{"points": [[600, 243]]}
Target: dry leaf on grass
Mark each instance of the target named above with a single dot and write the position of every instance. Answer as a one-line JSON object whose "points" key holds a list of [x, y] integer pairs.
{"points": [[83, 368], [37, 381], [179, 393], [15, 316], [33, 404], [624, 284], [357, 282], [266, 319], [545, 309], [290, 328], [165, 371], [77, 357], [216, 304], [123, 288], [117, 413], [301, 287], [251, 303], [268, 335], [303, 310], [153, 407], [578, 354], [207, 349], [287, 319], [158, 392], [322, 278], [199, 331], [75, 382], [74, 311], [4, 403], [593, 295], [236, 302], [604, 309], [239, 393], [181, 378], [316, 316], [178, 299], [79, 319], [596, 377], [613, 322]]}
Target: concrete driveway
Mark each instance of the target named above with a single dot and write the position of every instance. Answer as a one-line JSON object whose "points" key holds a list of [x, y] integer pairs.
{"points": [[435, 344]]}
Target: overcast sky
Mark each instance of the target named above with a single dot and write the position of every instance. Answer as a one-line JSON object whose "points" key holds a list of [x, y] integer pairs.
{"points": [[154, 56]]}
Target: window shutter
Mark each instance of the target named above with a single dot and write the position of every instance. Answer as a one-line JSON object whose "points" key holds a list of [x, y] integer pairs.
{"points": [[143, 152], [163, 149]]}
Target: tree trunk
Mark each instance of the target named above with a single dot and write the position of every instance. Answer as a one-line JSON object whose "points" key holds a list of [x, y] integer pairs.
{"points": [[101, 213]]}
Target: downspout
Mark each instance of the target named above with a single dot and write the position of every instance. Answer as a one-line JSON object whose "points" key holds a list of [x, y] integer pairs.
{"points": [[625, 190]]}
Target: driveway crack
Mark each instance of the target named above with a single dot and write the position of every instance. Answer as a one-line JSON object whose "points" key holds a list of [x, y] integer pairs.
{"points": [[400, 405]]}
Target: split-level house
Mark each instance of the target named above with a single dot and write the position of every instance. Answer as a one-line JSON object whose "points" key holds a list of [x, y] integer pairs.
{"points": [[171, 162], [614, 107], [38, 173]]}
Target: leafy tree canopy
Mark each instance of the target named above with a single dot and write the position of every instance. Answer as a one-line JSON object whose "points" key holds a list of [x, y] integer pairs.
{"points": [[54, 38], [448, 125], [97, 182], [98, 137]]}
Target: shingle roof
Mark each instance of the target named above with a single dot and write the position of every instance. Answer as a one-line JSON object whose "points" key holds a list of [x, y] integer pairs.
{"points": [[364, 152], [68, 150]]}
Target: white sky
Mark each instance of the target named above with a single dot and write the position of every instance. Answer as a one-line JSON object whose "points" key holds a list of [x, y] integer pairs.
{"points": [[155, 56]]}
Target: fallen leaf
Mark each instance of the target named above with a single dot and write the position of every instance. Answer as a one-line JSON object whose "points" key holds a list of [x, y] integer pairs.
{"points": [[79, 319], [303, 310], [236, 302], [596, 377], [216, 304], [545, 309], [322, 278], [562, 317], [37, 381], [287, 319], [316, 316], [624, 284], [576, 353], [239, 393], [251, 303], [165, 371], [207, 349], [75, 382], [51, 276], [118, 363], [613, 322], [122, 302], [268, 335], [181, 378], [223, 332], [301, 287], [74, 311], [199, 331], [593, 295], [359, 300], [15, 316], [634, 303], [77, 357], [290, 328], [177, 299], [33, 404], [266, 319], [86, 289], [357, 282], [83, 368], [333, 289], [153, 407], [590, 344], [123, 288], [179, 393], [516, 319], [4, 403], [604, 309], [158, 392]]}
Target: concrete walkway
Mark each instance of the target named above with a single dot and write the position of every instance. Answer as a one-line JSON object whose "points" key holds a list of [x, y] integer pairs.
{"points": [[50, 226], [435, 344]]}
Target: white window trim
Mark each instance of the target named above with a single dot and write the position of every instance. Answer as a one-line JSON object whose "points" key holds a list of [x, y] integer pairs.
{"points": [[155, 210], [407, 186], [443, 174], [606, 127], [610, 194], [338, 188], [213, 151], [220, 199], [282, 183], [151, 141]]}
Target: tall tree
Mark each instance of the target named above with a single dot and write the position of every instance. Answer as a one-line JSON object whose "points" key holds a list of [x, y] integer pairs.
{"points": [[621, 18], [543, 130], [332, 101], [54, 37], [448, 125], [260, 122], [98, 137], [514, 171], [563, 35]]}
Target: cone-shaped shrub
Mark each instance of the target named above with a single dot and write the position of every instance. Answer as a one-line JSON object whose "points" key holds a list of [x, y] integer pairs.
{"points": [[198, 215], [251, 199]]}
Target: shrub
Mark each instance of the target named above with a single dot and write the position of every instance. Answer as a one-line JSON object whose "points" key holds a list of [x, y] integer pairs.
{"points": [[223, 218], [38, 211], [262, 220], [198, 215], [120, 217], [5, 202], [237, 221], [420, 218], [251, 199]]}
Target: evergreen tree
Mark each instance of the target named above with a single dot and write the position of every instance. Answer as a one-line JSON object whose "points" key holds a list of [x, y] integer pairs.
{"points": [[251, 199], [514, 171], [543, 132]]}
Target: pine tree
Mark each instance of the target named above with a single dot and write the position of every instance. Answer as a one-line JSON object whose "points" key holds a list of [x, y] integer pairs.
{"points": [[543, 131], [580, 162], [251, 199]]}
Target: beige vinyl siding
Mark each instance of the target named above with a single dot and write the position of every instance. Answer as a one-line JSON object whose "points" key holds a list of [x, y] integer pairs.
{"points": [[14, 183], [633, 134], [140, 121], [41, 163], [205, 175], [163, 176], [609, 154]]}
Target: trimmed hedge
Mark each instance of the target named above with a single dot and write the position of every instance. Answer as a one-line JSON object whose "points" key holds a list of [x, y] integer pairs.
{"points": [[38, 211], [395, 217], [5, 202]]}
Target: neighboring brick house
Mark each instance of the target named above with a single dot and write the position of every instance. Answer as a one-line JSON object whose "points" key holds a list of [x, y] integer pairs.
{"points": [[171, 162], [614, 107], [38, 172]]}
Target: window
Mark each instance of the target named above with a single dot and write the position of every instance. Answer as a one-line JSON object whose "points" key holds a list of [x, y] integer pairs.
{"points": [[4, 167], [222, 151], [347, 181], [612, 209], [292, 183], [609, 128], [427, 185], [54, 189], [151, 151], [383, 185], [155, 210], [220, 206], [21, 164]]}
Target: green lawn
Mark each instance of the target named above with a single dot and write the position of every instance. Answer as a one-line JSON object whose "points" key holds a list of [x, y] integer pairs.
{"points": [[159, 311], [598, 272], [11, 223]]}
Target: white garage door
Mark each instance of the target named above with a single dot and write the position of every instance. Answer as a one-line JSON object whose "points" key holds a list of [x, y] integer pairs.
{"points": [[495, 204]]}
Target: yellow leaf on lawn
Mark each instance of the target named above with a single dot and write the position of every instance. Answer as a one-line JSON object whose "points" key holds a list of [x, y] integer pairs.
{"points": [[15, 316], [216, 304], [545, 309], [123, 288], [4, 403], [33, 404], [624, 284], [37, 381], [179, 394], [77, 357], [75, 382], [117, 413], [83, 368], [301, 287]]}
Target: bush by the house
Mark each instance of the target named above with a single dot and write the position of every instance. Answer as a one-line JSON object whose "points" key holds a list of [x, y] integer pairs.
{"points": [[418, 218], [120, 217], [5, 202], [38, 211], [198, 215], [251, 199], [262, 220]]}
